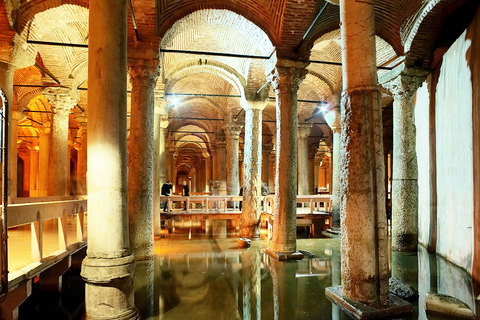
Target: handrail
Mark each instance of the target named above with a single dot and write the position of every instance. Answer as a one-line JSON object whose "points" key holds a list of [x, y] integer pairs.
{"points": [[313, 200], [23, 211]]}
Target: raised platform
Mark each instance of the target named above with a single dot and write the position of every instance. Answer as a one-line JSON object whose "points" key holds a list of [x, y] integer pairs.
{"points": [[395, 306]]}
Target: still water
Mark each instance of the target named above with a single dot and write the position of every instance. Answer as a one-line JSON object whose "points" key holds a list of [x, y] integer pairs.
{"points": [[198, 277], [195, 276]]}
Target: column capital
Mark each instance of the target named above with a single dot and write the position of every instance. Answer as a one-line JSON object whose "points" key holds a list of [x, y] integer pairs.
{"points": [[164, 121], [144, 72], [233, 129], [303, 130], [333, 118], [287, 75], [405, 84], [160, 105], [61, 99]]}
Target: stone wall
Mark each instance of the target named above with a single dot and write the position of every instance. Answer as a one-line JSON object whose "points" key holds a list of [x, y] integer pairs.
{"points": [[454, 100]]}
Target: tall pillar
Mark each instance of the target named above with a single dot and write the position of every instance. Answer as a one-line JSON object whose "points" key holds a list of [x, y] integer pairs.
{"points": [[221, 163], [405, 169], [6, 83], [266, 151], [365, 270], [143, 75], [208, 172], [252, 172], [285, 79], [311, 170], [62, 101], [271, 167], [82, 155], [159, 161], [16, 116], [232, 132], [108, 269], [332, 117], [43, 163], [303, 131], [33, 192]]}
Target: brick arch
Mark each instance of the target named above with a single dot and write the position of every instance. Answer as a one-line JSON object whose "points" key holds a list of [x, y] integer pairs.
{"points": [[212, 67], [28, 10], [252, 10]]}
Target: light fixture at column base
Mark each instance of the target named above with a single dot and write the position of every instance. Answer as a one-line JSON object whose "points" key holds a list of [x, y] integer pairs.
{"points": [[395, 306], [284, 255]]}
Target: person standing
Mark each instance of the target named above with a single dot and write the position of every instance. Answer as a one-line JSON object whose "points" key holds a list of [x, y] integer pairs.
{"points": [[167, 186], [185, 192]]}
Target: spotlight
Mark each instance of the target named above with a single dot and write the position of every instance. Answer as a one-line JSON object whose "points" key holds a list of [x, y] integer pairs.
{"points": [[175, 101], [323, 108]]}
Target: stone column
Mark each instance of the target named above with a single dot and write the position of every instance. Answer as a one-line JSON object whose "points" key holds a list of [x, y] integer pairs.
{"points": [[208, 172], [221, 163], [311, 170], [266, 151], [62, 101], [271, 175], [159, 161], [33, 192], [43, 163], [405, 169], [285, 79], [16, 116], [6, 83], [252, 172], [316, 169], [365, 270], [303, 131], [332, 117], [82, 155], [143, 75], [232, 132], [108, 269]]}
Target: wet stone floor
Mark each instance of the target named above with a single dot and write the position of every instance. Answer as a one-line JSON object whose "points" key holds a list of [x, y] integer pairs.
{"points": [[194, 276]]}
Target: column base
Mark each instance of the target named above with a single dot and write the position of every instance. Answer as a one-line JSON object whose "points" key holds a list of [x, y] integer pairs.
{"points": [[109, 290], [395, 306], [284, 255]]}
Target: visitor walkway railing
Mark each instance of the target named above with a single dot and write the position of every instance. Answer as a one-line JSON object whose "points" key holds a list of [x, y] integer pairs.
{"points": [[55, 226]]}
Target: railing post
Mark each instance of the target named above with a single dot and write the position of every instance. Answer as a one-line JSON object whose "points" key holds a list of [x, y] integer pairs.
{"points": [[37, 239], [62, 231]]}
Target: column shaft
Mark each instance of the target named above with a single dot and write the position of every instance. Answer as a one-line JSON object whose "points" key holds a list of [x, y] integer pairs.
{"points": [[43, 161], [252, 173], [405, 167], [109, 266], [221, 163], [143, 75], [232, 132], [303, 133], [336, 180], [285, 82], [365, 270]]}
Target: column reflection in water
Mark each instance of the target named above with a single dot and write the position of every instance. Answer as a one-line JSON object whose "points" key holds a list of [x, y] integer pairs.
{"points": [[336, 281], [144, 287], [284, 288], [252, 281], [405, 268]]}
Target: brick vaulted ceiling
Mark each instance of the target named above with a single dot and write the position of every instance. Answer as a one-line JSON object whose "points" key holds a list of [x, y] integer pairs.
{"points": [[414, 31]]}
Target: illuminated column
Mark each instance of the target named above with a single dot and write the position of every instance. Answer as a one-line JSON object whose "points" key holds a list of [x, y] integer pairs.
{"points": [[6, 83], [285, 79], [332, 117], [365, 270], [311, 170], [82, 157], [221, 163], [16, 116], [271, 167], [33, 192], [108, 269], [316, 169], [62, 101], [303, 131], [159, 161], [143, 75], [43, 155], [252, 172], [405, 169], [266, 151], [208, 171], [232, 132]]}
